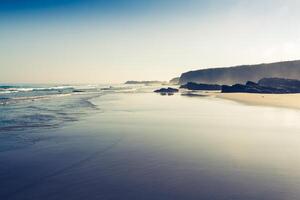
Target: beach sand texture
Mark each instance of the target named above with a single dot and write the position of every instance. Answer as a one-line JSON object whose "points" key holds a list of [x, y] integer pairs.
{"points": [[278, 100]]}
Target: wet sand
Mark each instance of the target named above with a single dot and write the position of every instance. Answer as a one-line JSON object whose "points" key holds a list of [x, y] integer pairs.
{"points": [[147, 146]]}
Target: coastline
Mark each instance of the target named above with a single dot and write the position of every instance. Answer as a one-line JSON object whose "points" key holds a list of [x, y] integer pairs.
{"points": [[274, 100]]}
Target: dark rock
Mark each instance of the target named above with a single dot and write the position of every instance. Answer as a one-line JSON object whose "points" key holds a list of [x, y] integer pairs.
{"points": [[201, 86], [251, 87], [77, 91], [290, 85], [167, 90]]}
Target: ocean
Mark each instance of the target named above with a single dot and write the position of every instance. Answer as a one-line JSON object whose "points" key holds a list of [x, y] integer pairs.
{"points": [[126, 142]]}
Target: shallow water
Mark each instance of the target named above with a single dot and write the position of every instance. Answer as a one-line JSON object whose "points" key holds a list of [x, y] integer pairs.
{"points": [[140, 145]]}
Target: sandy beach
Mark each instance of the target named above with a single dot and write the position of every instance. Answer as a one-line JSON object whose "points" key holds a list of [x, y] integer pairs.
{"points": [[278, 100]]}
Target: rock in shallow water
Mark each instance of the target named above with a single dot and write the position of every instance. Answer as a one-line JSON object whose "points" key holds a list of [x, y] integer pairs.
{"points": [[167, 90]]}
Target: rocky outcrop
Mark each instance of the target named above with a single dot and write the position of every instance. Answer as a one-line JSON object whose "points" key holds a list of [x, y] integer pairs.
{"points": [[167, 90], [266, 86], [291, 85], [201, 86], [241, 74], [250, 87]]}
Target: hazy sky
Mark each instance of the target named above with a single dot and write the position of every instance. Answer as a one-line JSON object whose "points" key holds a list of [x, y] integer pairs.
{"points": [[101, 41]]}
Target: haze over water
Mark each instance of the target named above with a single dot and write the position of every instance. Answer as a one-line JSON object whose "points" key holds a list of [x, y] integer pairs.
{"points": [[134, 144]]}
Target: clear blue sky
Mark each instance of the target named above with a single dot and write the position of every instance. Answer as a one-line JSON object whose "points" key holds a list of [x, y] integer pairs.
{"points": [[97, 41]]}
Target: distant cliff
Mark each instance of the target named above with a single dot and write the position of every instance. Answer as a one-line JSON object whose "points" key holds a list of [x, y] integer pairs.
{"points": [[174, 81], [242, 74]]}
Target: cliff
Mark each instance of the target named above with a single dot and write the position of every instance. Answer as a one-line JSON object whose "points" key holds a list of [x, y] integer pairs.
{"points": [[243, 73], [174, 81]]}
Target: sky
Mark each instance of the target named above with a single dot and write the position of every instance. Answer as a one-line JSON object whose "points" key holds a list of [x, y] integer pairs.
{"points": [[111, 41]]}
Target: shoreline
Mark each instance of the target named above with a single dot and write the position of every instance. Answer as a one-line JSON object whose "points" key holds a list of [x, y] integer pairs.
{"points": [[291, 101]]}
